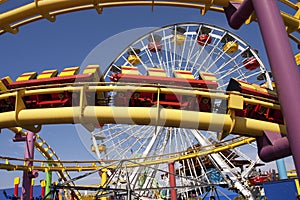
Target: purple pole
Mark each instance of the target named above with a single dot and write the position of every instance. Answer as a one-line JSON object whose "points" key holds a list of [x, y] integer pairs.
{"points": [[283, 65], [238, 13], [284, 68], [27, 176], [271, 146]]}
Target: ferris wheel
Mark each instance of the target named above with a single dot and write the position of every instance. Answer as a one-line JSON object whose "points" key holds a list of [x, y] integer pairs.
{"points": [[196, 50]]}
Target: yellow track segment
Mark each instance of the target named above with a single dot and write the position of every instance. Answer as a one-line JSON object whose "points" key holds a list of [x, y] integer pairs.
{"points": [[78, 166], [49, 9]]}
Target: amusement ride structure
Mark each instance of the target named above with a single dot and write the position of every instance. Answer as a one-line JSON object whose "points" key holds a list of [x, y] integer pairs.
{"points": [[172, 112]]}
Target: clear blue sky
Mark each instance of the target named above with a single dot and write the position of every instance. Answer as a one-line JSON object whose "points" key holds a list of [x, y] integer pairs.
{"points": [[68, 41]]}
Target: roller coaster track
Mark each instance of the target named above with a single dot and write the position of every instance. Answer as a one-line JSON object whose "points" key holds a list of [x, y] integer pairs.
{"points": [[45, 149], [7, 162], [85, 114], [105, 114], [11, 20]]}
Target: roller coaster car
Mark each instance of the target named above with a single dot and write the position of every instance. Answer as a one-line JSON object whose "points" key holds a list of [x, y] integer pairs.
{"points": [[169, 100], [65, 98], [256, 111], [6, 104]]}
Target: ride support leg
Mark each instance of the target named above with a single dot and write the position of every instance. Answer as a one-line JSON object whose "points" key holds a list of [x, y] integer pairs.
{"points": [[172, 180]]}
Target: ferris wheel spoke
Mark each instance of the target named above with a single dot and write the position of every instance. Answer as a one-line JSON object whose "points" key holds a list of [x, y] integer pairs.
{"points": [[146, 144], [157, 52], [183, 50], [173, 54], [197, 56], [167, 63], [183, 140], [231, 60], [249, 169], [192, 49], [137, 55], [192, 167], [231, 71], [215, 43], [251, 76], [126, 61], [211, 51], [220, 56], [176, 140], [136, 142], [151, 143], [116, 141], [116, 133], [148, 53]]}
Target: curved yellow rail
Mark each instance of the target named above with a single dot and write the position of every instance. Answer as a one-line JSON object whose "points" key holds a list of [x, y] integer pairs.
{"points": [[94, 165], [45, 149], [11, 20], [48, 9], [90, 115]]}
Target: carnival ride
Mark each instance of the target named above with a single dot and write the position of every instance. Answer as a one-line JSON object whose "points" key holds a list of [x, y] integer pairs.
{"points": [[162, 100], [123, 86]]}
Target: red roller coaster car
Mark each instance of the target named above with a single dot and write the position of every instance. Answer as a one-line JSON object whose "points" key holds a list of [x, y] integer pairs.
{"points": [[158, 76], [257, 111], [66, 98]]}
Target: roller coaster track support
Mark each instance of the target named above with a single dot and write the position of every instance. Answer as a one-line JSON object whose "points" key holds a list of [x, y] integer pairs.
{"points": [[44, 148], [283, 65], [172, 180], [29, 140]]}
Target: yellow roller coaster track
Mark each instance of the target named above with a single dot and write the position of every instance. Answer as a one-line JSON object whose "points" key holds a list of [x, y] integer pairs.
{"points": [[85, 114], [11, 20], [7, 162]]}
